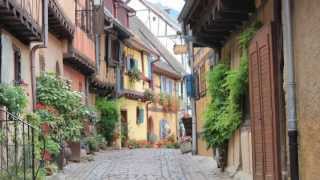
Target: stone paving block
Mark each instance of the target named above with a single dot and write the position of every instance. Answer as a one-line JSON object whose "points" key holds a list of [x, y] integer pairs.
{"points": [[143, 164]]}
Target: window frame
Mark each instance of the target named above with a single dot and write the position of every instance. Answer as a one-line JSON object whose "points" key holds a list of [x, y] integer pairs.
{"points": [[17, 65]]}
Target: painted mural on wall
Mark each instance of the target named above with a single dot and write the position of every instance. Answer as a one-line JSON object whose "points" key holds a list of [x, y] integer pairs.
{"points": [[165, 130]]}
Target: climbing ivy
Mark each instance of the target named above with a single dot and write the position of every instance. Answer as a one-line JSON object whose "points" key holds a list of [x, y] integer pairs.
{"points": [[227, 88]]}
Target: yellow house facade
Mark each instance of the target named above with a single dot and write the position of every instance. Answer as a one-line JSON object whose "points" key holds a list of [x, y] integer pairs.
{"points": [[133, 105], [163, 120]]}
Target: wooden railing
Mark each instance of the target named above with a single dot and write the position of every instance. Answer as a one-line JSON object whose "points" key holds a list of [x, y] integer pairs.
{"points": [[32, 8], [84, 44]]}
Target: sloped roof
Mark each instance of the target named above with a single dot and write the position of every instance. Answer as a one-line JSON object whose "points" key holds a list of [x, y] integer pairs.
{"points": [[117, 24], [150, 40], [165, 67], [163, 14]]}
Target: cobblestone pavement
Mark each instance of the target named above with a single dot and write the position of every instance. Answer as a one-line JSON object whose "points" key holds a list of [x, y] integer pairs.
{"points": [[143, 164]]}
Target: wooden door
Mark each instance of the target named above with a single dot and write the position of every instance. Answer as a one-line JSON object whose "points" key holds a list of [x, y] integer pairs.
{"points": [[124, 126], [264, 116]]}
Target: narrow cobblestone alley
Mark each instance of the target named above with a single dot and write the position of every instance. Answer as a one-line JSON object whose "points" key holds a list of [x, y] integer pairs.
{"points": [[143, 164]]}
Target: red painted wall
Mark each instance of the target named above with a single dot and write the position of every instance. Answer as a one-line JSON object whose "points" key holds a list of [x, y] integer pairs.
{"points": [[77, 79]]}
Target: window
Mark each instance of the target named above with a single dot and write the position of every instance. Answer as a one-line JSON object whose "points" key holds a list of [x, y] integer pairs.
{"points": [[84, 15], [114, 50], [140, 115], [167, 85], [17, 66], [133, 64]]}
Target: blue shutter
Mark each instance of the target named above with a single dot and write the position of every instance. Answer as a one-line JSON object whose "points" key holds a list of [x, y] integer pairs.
{"points": [[189, 85], [150, 67], [141, 115]]}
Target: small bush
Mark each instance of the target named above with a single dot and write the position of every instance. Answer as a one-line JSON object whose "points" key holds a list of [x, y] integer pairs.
{"points": [[110, 114], [92, 143]]}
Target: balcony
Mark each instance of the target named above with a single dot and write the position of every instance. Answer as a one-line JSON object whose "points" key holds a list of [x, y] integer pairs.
{"points": [[22, 18], [104, 85], [82, 53], [59, 24]]}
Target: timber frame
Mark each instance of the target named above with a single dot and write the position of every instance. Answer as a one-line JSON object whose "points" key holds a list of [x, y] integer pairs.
{"points": [[19, 22], [102, 88], [134, 95], [59, 24], [212, 21], [79, 61]]}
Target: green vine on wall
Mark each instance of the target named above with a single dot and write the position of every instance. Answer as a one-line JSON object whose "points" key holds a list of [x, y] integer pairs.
{"points": [[227, 89]]}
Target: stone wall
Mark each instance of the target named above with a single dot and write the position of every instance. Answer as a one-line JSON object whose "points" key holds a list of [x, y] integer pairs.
{"points": [[306, 18]]}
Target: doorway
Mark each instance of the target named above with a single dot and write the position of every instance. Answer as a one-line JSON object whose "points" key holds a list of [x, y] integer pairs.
{"points": [[124, 127]]}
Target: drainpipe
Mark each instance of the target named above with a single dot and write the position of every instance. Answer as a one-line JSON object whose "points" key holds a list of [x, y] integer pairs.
{"points": [[192, 100], [148, 103], [152, 63], [44, 44], [291, 89]]}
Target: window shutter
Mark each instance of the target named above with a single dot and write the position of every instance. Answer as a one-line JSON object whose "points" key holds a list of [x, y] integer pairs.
{"points": [[264, 116], [141, 116], [189, 85], [149, 67]]}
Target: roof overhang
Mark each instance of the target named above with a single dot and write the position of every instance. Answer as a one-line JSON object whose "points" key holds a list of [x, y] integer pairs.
{"points": [[79, 62], [158, 70], [135, 43], [16, 19], [212, 21], [123, 32], [59, 24], [134, 95]]}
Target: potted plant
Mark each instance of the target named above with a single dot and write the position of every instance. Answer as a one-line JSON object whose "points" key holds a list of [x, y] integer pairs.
{"points": [[148, 95], [134, 75]]}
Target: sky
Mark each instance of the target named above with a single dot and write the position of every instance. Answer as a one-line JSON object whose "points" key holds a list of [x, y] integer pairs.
{"points": [[174, 4]]}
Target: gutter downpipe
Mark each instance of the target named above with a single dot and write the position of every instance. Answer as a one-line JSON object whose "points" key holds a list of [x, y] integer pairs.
{"points": [[291, 89], [192, 100], [44, 44], [148, 103]]}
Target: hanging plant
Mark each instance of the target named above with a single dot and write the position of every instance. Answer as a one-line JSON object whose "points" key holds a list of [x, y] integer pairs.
{"points": [[134, 75], [227, 89], [149, 95]]}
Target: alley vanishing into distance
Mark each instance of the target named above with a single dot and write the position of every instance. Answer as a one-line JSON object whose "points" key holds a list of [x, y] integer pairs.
{"points": [[159, 90], [143, 164]]}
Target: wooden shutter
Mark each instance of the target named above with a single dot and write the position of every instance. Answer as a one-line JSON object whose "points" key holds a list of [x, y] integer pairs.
{"points": [[263, 106]]}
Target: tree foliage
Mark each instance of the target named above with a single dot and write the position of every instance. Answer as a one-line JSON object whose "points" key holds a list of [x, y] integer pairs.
{"points": [[61, 107], [13, 97], [109, 117], [227, 89]]}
